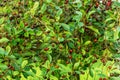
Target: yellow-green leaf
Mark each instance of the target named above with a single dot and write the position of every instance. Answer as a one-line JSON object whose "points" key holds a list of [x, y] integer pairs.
{"points": [[94, 29], [8, 49], [87, 43], [53, 77], [33, 10], [76, 65], [24, 63], [4, 40]]}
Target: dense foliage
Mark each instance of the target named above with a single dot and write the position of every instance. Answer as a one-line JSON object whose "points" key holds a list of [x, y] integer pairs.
{"points": [[59, 40]]}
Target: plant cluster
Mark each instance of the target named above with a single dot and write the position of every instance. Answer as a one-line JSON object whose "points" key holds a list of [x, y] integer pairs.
{"points": [[59, 39]]}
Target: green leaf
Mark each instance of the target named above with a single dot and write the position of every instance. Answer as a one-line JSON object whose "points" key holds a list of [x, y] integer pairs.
{"points": [[71, 45], [64, 68], [101, 39], [38, 71], [48, 1], [53, 77], [24, 63], [80, 24], [3, 66], [109, 19], [94, 29], [59, 12], [117, 4], [116, 34], [79, 13], [30, 73], [81, 30], [90, 13], [4, 40], [78, 16], [47, 64], [33, 10], [116, 56], [101, 75], [111, 25], [45, 19], [83, 51], [36, 4], [22, 77], [76, 65], [39, 33], [91, 72], [49, 57], [106, 51], [2, 51], [21, 24], [1, 20], [43, 8], [114, 78], [11, 57], [8, 49], [60, 39], [87, 43], [65, 26], [16, 73], [8, 77]]}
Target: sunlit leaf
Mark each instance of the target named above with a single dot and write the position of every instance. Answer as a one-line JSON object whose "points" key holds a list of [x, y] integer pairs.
{"points": [[4, 40], [8, 49], [53, 77], [16, 73], [116, 36], [64, 68], [109, 19], [87, 43], [33, 10], [24, 63], [90, 13], [76, 65], [47, 64], [94, 29], [1, 20]]}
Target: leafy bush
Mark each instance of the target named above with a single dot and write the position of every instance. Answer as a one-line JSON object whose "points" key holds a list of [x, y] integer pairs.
{"points": [[59, 39]]}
